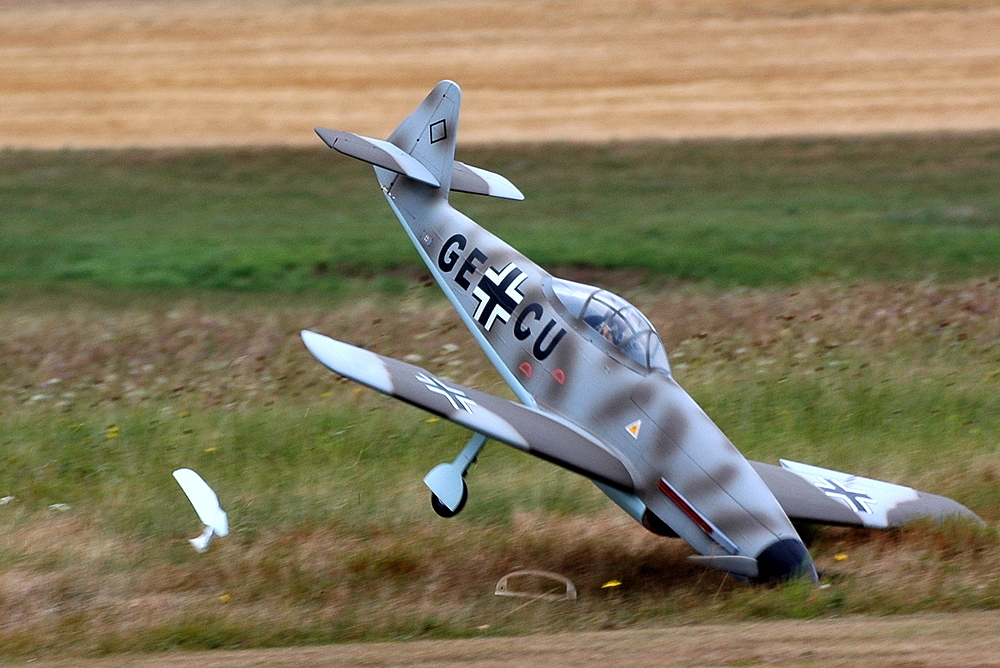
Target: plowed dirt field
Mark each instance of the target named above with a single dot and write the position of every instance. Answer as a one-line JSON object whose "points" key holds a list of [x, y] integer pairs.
{"points": [[160, 73]]}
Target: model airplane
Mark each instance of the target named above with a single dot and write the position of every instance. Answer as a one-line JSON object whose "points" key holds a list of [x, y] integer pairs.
{"points": [[596, 390]]}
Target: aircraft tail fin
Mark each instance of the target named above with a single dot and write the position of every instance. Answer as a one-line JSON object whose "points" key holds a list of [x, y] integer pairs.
{"points": [[428, 133], [422, 148]]}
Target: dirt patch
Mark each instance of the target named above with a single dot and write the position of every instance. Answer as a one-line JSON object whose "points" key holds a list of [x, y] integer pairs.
{"points": [[948, 641], [163, 73]]}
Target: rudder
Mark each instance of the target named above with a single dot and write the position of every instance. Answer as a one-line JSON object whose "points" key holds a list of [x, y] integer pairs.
{"points": [[428, 134]]}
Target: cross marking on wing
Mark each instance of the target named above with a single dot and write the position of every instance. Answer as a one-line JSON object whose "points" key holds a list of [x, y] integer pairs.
{"points": [[458, 399], [852, 498]]}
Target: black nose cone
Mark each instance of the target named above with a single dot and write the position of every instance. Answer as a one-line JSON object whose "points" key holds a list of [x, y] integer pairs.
{"points": [[788, 558]]}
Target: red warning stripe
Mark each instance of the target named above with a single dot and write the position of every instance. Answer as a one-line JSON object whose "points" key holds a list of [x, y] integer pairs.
{"points": [[703, 523], [685, 507]]}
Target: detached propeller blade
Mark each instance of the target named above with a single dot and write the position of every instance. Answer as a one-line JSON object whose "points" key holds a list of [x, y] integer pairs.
{"points": [[206, 504]]}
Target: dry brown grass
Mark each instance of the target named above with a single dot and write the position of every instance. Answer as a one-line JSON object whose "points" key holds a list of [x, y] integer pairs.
{"points": [[302, 585], [71, 583], [78, 592], [82, 354], [193, 73]]}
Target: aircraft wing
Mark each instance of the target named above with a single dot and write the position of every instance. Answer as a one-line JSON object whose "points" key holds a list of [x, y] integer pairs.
{"points": [[822, 496], [541, 434]]}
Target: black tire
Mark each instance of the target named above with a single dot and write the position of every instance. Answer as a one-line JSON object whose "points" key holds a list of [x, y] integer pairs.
{"points": [[445, 511]]}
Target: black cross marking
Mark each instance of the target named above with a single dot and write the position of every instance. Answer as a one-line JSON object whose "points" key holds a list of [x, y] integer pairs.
{"points": [[498, 294], [855, 500], [458, 399]]}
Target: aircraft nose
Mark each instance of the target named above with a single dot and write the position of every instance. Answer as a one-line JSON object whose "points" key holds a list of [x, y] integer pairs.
{"points": [[785, 559]]}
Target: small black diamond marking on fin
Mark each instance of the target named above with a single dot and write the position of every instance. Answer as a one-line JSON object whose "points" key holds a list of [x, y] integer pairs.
{"points": [[439, 131]]}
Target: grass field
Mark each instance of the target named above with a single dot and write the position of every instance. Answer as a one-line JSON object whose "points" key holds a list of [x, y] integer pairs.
{"points": [[829, 301], [723, 213]]}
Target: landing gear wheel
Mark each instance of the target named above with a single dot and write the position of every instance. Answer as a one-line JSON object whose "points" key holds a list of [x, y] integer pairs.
{"points": [[445, 511]]}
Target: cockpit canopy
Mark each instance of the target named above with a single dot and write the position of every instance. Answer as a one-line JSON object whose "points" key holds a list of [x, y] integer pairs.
{"points": [[616, 320]]}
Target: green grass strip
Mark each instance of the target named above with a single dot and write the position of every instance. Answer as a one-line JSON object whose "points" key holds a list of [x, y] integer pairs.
{"points": [[762, 212]]}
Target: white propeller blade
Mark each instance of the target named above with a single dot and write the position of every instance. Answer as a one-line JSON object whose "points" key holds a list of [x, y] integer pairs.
{"points": [[206, 504]]}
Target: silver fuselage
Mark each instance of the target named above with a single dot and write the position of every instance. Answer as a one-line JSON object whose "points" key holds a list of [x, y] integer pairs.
{"points": [[686, 472]]}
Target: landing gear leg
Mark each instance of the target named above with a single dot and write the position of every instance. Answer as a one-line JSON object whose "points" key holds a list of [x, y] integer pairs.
{"points": [[446, 481]]}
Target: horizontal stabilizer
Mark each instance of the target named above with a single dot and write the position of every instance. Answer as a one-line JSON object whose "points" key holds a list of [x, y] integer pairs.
{"points": [[379, 153], [469, 179], [465, 178], [541, 434], [823, 496]]}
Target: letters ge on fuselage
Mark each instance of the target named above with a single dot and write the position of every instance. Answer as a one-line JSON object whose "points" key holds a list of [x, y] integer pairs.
{"points": [[499, 295]]}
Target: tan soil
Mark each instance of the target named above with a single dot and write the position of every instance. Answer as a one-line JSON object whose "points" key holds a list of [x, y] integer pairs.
{"points": [[932, 641], [155, 73]]}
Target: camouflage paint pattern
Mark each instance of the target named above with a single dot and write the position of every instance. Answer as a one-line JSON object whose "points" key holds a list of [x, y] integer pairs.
{"points": [[588, 405], [568, 368]]}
